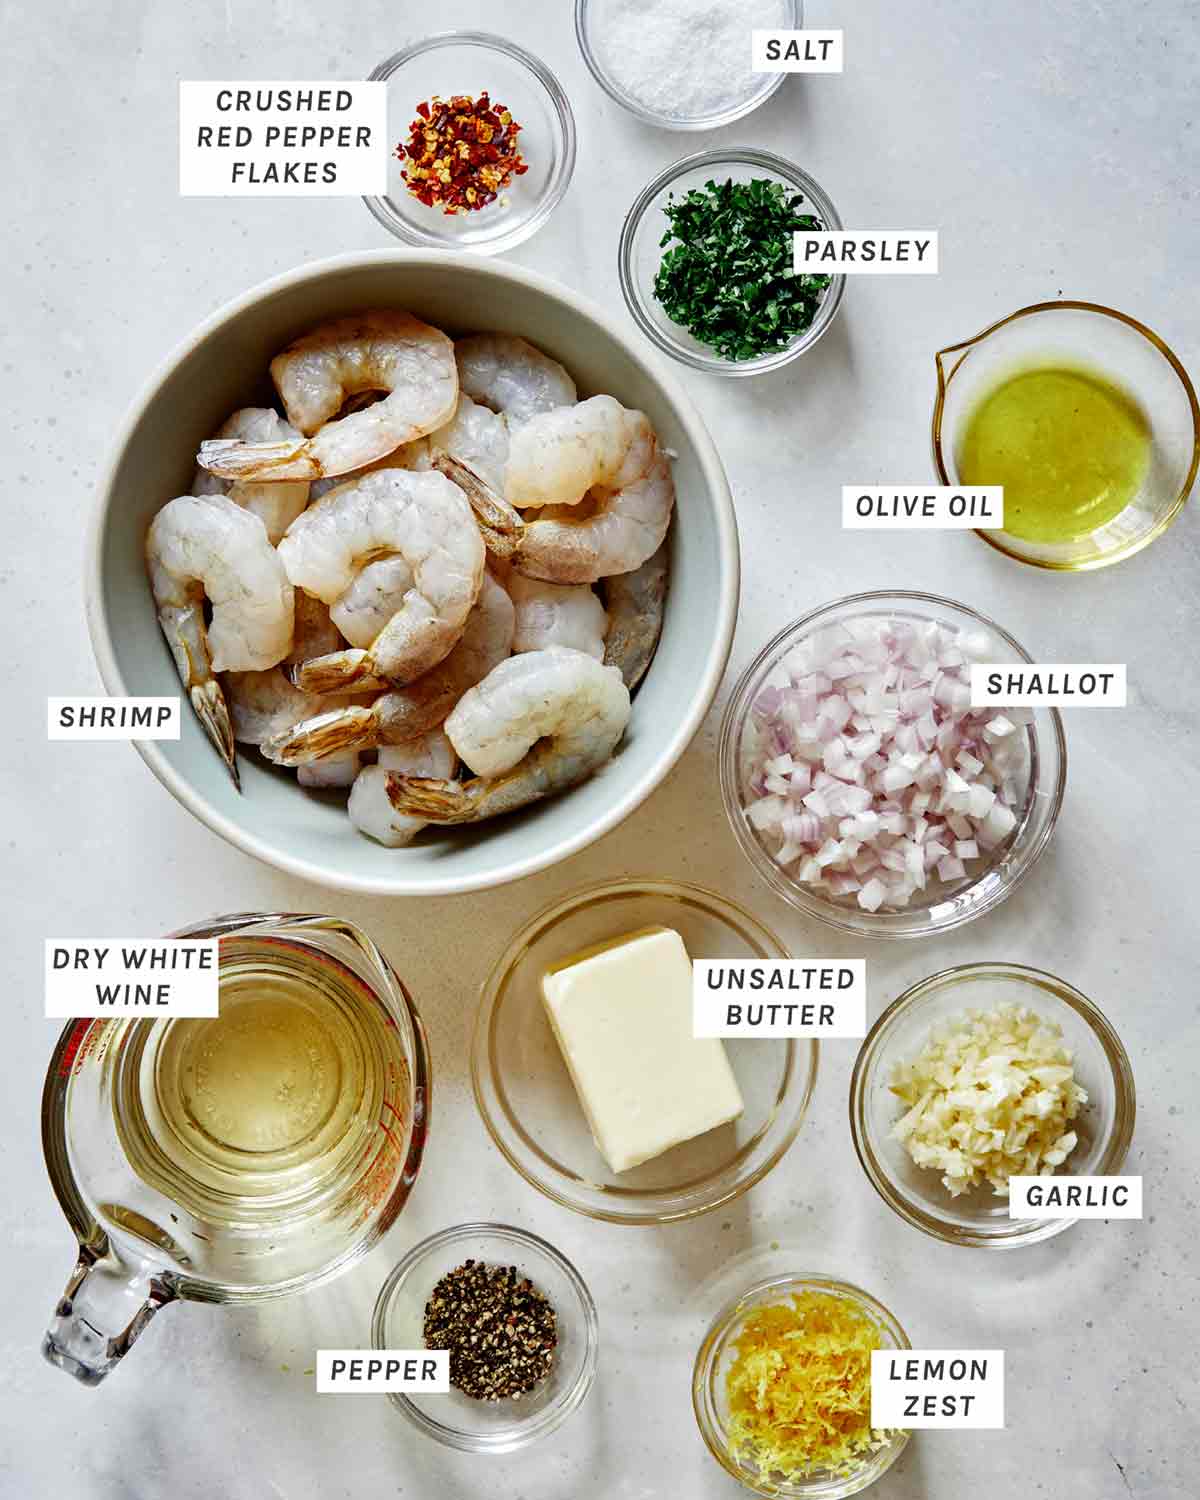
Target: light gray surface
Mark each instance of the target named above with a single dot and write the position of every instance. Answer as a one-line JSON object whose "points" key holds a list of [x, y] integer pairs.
{"points": [[1054, 148]]}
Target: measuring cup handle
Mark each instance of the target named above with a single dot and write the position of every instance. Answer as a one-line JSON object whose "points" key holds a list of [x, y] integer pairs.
{"points": [[100, 1315]]}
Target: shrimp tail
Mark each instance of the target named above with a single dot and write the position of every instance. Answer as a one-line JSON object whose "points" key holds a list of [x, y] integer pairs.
{"points": [[336, 732], [434, 800], [211, 709], [338, 672], [232, 458], [500, 523], [483, 797]]}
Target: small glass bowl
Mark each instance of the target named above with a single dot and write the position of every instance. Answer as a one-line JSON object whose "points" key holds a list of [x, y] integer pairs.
{"points": [[528, 1101], [945, 904], [1084, 335], [588, 18], [463, 1422], [467, 62], [711, 1404], [1104, 1125], [640, 254]]}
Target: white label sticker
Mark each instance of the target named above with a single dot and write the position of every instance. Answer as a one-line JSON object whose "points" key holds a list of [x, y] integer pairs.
{"points": [[937, 1388], [1075, 1197], [749, 997], [807, 51], [102, 718], [131, 977], [367, 1372], [865, 252], [915, 507], [282, 140], [1048, 685]]}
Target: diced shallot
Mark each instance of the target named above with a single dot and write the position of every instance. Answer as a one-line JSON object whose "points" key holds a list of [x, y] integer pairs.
{"points": [[873, 774]]}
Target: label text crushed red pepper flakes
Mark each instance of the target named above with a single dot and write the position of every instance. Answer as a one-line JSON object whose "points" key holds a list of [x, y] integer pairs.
{"points": [[461, 153]]}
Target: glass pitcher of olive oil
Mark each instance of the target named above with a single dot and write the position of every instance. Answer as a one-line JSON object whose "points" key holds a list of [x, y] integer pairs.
{"points": [[236, 1158]]}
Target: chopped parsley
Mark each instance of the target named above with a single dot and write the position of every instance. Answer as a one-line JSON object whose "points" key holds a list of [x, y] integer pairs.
{"points": [[727, 276]]}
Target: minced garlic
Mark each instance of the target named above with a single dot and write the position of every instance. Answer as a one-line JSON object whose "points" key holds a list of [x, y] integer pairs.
{"points": [[799, 1387], [991, 1095]]}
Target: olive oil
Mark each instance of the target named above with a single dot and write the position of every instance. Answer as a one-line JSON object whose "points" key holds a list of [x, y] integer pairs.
{"points": [[1070, 448]]}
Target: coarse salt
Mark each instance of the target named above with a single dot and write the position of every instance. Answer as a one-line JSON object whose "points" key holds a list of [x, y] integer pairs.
{"points": [[685, 59]]}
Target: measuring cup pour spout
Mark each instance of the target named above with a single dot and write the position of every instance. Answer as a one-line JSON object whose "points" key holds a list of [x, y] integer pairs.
{"points": [[100, 1315]]}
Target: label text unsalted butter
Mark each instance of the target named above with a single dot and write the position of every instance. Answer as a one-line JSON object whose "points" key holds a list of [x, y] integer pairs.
{"points": [[131, 976], [746, 997]]}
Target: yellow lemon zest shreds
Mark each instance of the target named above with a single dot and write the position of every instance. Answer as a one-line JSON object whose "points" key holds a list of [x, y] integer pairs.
{"points": [[799, 1387]]}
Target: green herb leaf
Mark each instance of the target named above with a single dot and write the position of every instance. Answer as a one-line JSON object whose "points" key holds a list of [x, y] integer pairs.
{"points": [[726, 272]]}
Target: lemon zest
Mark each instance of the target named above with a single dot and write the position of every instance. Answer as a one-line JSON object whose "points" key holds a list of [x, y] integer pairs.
{"points": [[799, 1388]]}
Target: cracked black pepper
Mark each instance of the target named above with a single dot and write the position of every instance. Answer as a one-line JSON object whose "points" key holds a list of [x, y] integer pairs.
{"points": [[500, 1330]]}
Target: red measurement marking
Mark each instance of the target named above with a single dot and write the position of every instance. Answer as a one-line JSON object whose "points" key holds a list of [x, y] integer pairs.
{"points": [[66, 1061]]}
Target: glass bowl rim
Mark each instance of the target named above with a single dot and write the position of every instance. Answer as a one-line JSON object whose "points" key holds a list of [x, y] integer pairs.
{"points": [[995, 538], [568, 1400], [505, 239], [664, 122], [796, 896], [721, 1325], [635, 302], [1023, 1231], [797, 1080]]}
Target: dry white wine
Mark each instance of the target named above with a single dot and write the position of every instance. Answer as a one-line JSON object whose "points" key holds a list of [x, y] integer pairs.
{"points": [[271, 1073], [266, 1102]]}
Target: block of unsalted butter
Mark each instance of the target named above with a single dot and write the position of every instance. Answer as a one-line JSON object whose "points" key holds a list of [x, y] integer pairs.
{"points": [[622, 1013]]}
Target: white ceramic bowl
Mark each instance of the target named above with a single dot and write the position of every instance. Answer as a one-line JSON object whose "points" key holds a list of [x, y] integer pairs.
{"points": [[223, 366]]}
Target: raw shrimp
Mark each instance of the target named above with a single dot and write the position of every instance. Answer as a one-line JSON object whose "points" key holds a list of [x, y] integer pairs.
{"points": [[556, 457], [414, 455], [511, 376], [424, 519], [555, 614], [635, 603], [370, 600], [314, 632], [370, 809], [429, 754], [276, 504], [472, 450], [334, 771], [385, 350], [208, 547], [538, 723], [264, 704], [625, 527], [500, 525], [266, 707], [411, 711], [477, 437]]}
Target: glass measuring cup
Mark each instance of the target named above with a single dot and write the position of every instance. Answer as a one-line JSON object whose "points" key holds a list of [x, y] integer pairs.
{"points": [[171, 1202], [1111, 344]]}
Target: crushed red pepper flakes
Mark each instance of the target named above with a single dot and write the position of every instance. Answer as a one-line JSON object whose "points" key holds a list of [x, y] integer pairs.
{"points": [[461, 153]]}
